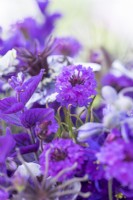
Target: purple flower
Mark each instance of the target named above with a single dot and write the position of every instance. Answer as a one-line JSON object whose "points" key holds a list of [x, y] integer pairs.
{"points": [[3, 195], [117, 156], [29, 32], [89, 129], [63, 153], [67, 46], [75, 85], [25, 89], [118, 83], [7, 143], [37, 116], [10, 105]]}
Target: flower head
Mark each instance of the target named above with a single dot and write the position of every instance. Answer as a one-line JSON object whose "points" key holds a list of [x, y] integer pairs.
{"points": [[7, 143], [63, 153], [3, 195], [67, 46], [75, 86], [118, 159]]}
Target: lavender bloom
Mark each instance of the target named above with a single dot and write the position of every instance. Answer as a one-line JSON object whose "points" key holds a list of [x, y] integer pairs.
{"points": [[67, 46], [63, 153], [75, 86], [117, 156]]}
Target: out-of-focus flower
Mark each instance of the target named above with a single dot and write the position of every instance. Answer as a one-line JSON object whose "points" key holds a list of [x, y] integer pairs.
{"points": [[22, 170], [58, 62], [29, 32], [7, 143], [63, 153], [95, 67], [120, 76], [75, 85], [8, 62], [89, 129], [67, 46], [4, 195], [117, 107], [117, 156]]}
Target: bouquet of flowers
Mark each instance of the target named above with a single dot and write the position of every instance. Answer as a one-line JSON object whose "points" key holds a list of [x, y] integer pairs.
{"points": [[66, 127]]}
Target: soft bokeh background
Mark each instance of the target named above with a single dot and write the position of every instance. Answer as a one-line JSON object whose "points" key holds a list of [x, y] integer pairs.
{"points": [[94, 22]]}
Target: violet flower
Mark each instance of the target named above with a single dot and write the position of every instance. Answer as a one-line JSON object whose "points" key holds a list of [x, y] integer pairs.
{"points": [[63, 153], [75, 86], [29, 31], [38, 116], [25, 89], [117, 156], [4, 195], [67, 46], [7, 143]]}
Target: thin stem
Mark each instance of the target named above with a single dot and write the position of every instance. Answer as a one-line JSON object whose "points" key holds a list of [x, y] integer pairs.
{"points": [[31, 134], [110, 189], [68, 121]]}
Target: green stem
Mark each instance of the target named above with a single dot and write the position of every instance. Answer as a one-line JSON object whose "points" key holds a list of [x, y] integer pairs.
{"points": [[110, 189], [68, 121]]}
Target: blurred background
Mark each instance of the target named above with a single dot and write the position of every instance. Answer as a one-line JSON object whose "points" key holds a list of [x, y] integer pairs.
{"points": [[93, 22]]}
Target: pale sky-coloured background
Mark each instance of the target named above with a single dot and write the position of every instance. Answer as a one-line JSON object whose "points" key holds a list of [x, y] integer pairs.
{"points": [[81, 18]]}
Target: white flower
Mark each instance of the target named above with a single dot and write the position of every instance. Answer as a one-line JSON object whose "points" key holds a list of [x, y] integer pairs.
{"points": [[118, 69], [8, 62], [51, 98], [33, 167], [57, 62]]}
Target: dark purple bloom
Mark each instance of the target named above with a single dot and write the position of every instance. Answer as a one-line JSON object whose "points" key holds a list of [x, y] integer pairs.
{"points": [[63, 153], [34, 60], [41, 118], [23, 142], [10, 105], [67, 46], [75, 85]]}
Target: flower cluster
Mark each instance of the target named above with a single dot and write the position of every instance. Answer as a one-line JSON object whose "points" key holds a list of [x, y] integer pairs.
{"points": [[75, 85], [118, 155], [63, 152], [66, 127]]}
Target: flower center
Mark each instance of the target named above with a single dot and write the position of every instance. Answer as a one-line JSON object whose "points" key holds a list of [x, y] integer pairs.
{"points": [[76, 80], [58, 154]]}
